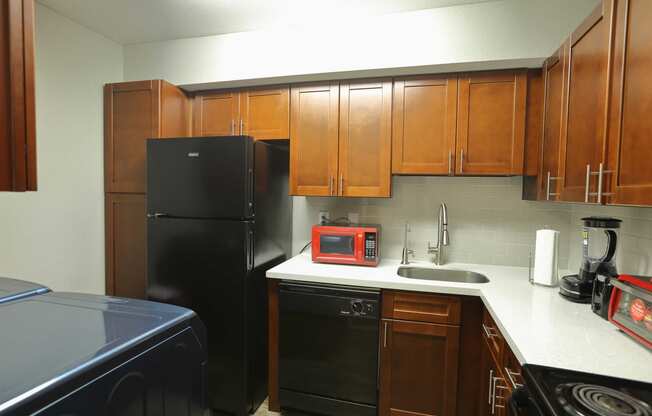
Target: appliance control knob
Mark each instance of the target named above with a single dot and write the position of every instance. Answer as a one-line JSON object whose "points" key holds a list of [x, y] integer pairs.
{"points": [[356, 305], [369, 308]]}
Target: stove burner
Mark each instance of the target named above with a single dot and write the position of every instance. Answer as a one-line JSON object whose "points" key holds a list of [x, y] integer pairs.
{"points": [[580, 398]]}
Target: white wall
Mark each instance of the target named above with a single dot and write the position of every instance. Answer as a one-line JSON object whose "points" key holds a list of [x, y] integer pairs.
{"points": [[56, 236], [508, 33]]}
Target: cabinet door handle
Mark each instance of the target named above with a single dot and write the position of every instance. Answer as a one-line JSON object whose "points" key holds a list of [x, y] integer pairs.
{"points": [[462, 161], [385, 336], [342, 185], [241, 126], [450, 163], [487, 331], [586, 184], [491, 378], [511, 376], [232, 127], [330, 185]]}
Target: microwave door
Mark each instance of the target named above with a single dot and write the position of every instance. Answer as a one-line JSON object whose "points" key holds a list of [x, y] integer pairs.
{"points": [[337, 244]]}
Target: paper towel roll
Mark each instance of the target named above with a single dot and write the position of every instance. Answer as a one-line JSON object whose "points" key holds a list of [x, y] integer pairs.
{"points": [[545, 258]]}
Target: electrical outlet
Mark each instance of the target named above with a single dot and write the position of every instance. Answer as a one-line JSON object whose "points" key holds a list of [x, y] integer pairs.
{"points": [[324, 216], [354, 217]]}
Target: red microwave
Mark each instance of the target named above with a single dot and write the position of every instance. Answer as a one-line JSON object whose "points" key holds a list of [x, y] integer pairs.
{"points": [[631, 307], [346, 244]]}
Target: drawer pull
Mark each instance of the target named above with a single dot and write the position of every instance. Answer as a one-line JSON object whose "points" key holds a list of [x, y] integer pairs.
{"points": [[511, 376]]}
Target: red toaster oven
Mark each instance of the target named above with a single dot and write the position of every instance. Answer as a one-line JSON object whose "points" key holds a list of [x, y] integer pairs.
{"points": [[630, 308], [346, 244]]}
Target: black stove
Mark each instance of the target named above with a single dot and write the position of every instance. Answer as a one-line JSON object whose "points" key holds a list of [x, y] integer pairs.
{"points": [[555, 392]]}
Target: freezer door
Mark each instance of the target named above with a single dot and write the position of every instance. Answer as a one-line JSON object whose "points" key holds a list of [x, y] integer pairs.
{"points": [[204, 264], [208, 177]]}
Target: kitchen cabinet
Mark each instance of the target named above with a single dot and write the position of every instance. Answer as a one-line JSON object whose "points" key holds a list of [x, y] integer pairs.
{"points": [[584, 130], [126, 245], [262, 113], [365, 139], [419, 359], [554, 69], [17, 107], [424, 123], [491, 123], [133, 113], [630, 138], [314, 123], [340, 139]]}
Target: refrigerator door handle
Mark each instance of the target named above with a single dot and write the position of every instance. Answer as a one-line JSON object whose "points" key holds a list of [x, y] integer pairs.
{"points": [[250, 252], [156, 215]]}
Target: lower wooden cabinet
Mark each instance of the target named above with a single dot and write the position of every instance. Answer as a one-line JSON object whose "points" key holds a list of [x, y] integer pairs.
{"points": [[126, 245]]}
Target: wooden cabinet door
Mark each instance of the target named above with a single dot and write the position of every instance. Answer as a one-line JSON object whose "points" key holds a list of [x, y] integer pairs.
{"points": [[365, 139], [126, 245], [265, 113], [314, 140], [630, 141], [549, 175], [131, 116], [216, 114], [418, 369], [424, 117], [17, 106], [176, 110], [585, 117], [491, 123]]}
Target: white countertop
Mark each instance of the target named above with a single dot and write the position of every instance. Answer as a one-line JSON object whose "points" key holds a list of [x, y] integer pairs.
{"points": [[540, 327]]}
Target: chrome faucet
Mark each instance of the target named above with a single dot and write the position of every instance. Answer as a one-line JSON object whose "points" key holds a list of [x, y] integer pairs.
{"points": [[406, 252], [442, 236]]}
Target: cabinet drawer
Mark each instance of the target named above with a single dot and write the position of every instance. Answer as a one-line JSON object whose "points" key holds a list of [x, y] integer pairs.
{"points": [[421, 307], [492, 335]]}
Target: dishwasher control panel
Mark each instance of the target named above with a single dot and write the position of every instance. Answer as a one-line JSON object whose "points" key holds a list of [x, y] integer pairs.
{"points": [[360, 307]]}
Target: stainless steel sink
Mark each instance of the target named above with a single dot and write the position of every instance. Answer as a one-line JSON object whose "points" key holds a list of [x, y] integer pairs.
{"points": [[442, 275]]}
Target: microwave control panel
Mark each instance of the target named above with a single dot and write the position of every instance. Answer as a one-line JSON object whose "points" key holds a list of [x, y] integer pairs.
{"points": [[370, 246]]}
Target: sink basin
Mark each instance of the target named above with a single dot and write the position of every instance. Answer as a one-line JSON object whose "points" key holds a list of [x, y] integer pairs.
{"points": [[442, 275]]}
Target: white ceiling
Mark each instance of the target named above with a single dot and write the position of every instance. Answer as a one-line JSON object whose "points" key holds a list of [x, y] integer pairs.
{"points": [[136, 21]]}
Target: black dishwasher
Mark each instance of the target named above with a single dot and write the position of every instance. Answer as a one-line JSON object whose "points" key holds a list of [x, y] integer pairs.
{"points": [[328, 349]]}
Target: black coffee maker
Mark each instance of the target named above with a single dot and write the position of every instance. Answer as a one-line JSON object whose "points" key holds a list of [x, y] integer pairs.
{"points": [[599, 242]]}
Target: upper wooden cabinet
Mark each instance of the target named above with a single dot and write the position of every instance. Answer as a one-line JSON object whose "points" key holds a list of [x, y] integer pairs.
{"points": [[630, 132], [424, 118], [262, 113], [216, 114], [135, 112], [491, 123], [265, 113], [365, 139], [584, 130], [17, 112], [340, 139], [554, 70], [314, 140]]}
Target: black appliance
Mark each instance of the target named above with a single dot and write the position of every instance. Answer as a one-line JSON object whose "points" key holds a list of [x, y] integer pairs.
{"points": [[556, 392], [77, 355], [328, 349], [13, 289], [602, 289], [219, 216], [599, 243]]}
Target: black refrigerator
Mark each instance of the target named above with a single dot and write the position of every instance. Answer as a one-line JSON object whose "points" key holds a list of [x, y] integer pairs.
{"points": [[219, 216]]}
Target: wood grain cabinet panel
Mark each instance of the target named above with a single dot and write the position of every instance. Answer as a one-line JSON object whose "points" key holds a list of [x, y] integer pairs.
{"points": [[424, 117], [17, 103], [126, 243], [422, 307], [134, 112], [314, 140], [216, 114], [265, 113], [631, 125], [491, 123], [365, 139], [585, 116], [554, 70], [418, 370]]}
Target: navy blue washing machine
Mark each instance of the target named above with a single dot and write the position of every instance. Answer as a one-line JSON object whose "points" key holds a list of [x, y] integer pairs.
{"points": [[81, 355], [12, 289]]}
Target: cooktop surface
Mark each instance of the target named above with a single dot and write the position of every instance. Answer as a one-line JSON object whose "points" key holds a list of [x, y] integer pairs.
{"points": [[570, 393]]}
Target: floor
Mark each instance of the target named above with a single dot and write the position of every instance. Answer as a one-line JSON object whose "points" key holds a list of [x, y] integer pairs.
{"points": [[262, 411]]}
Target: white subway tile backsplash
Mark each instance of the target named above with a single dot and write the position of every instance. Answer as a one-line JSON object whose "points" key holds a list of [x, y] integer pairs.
{"points": [[488, 222]]}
